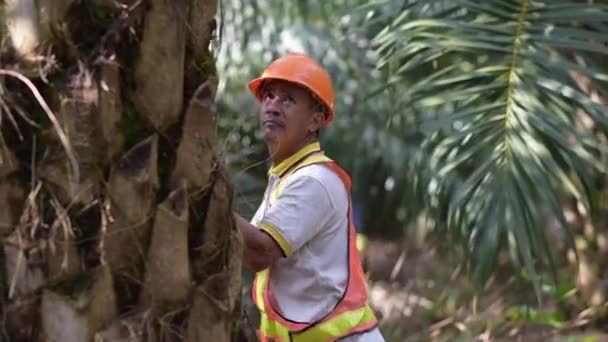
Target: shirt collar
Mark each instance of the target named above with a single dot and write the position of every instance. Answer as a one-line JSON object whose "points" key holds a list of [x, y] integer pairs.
{"points": [[282, 167]]}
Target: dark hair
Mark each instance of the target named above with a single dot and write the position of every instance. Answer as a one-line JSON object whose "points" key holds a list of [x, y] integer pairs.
{"points": [[318, 105]]}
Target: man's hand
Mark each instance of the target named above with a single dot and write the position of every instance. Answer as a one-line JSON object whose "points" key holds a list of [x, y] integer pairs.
{"points": [[260, 251]]}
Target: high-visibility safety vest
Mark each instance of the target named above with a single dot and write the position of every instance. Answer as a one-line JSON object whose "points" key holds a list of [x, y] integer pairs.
{"points": [[350, 316]]}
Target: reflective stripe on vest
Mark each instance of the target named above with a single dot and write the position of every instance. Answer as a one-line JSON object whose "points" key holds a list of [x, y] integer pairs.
{"points": [[351, 315]]}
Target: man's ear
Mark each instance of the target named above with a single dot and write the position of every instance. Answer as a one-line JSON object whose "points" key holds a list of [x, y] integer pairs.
{"points": [[316, 122]]}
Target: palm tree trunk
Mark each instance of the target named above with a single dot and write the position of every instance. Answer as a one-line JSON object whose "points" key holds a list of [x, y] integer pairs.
{"points": [[115, 207]]}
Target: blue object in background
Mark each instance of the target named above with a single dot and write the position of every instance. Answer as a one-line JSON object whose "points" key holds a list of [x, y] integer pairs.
{"points": [[358, 217]]}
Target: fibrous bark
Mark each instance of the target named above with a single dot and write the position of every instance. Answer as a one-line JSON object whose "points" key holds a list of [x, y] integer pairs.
{"points": [[159, 73], [195, 152], [115, 209], [22, 25], [199, 62], [79, 118], [168, 251], [76, 309], [110, 106], [125, 330], [62, 255], [8, 161], [51, 16], [12, 195], [210, 314], [131, 194], [22, 262], [216, 300]]}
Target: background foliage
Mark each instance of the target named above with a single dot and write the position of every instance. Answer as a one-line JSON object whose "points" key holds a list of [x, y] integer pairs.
{"points": [[480, 125]]}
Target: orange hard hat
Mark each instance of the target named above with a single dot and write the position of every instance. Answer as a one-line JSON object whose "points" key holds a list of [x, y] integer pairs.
{"points": [[303, 70]]}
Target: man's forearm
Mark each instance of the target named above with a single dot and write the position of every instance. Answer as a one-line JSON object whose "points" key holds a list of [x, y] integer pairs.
{"points": [[251, 243], [260, 250]]}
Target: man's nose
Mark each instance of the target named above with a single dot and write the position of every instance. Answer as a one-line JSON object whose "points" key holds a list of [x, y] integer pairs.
{"points": [[272, 107]]}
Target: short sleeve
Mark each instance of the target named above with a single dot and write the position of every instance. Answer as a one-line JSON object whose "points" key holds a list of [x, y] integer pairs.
{"points": [[300, 212], [257, 216]]}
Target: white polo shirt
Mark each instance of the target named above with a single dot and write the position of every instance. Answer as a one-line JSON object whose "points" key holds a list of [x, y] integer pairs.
{"points": [[309, 221]]}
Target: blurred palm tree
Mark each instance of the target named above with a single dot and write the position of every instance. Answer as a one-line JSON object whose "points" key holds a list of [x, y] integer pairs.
{"points": [[506, 94]]}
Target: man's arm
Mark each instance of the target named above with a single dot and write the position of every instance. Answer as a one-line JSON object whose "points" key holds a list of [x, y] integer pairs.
{"points": [[260, 250]]}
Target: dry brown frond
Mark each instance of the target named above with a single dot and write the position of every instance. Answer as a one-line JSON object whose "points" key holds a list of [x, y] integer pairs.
{"points": [[62, 136]]}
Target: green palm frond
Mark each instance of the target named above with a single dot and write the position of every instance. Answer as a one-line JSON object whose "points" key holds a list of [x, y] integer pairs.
{"points": [[495, 85]]}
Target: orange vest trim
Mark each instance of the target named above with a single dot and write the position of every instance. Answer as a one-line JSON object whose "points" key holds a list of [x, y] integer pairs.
{"points": [[351, 314]]}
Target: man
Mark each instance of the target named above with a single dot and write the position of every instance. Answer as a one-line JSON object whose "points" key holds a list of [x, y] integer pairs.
{"points": [[309, 284]]}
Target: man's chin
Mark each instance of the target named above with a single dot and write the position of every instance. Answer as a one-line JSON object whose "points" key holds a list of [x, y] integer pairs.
{"points": [[273, 142], [271, 137]]}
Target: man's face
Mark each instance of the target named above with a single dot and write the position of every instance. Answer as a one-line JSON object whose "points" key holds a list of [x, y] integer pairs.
{"points": [[288, 115]]}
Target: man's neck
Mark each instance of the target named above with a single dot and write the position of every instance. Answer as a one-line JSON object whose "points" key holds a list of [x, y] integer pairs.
{"points": [[278, 156]]}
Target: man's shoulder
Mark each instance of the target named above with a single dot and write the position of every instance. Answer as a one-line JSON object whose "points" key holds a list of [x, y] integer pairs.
{"points": [[326, 177], [319, 172]]}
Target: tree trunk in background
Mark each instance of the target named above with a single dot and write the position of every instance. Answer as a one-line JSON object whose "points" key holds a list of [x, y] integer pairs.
{"points": [[115, 209]]}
